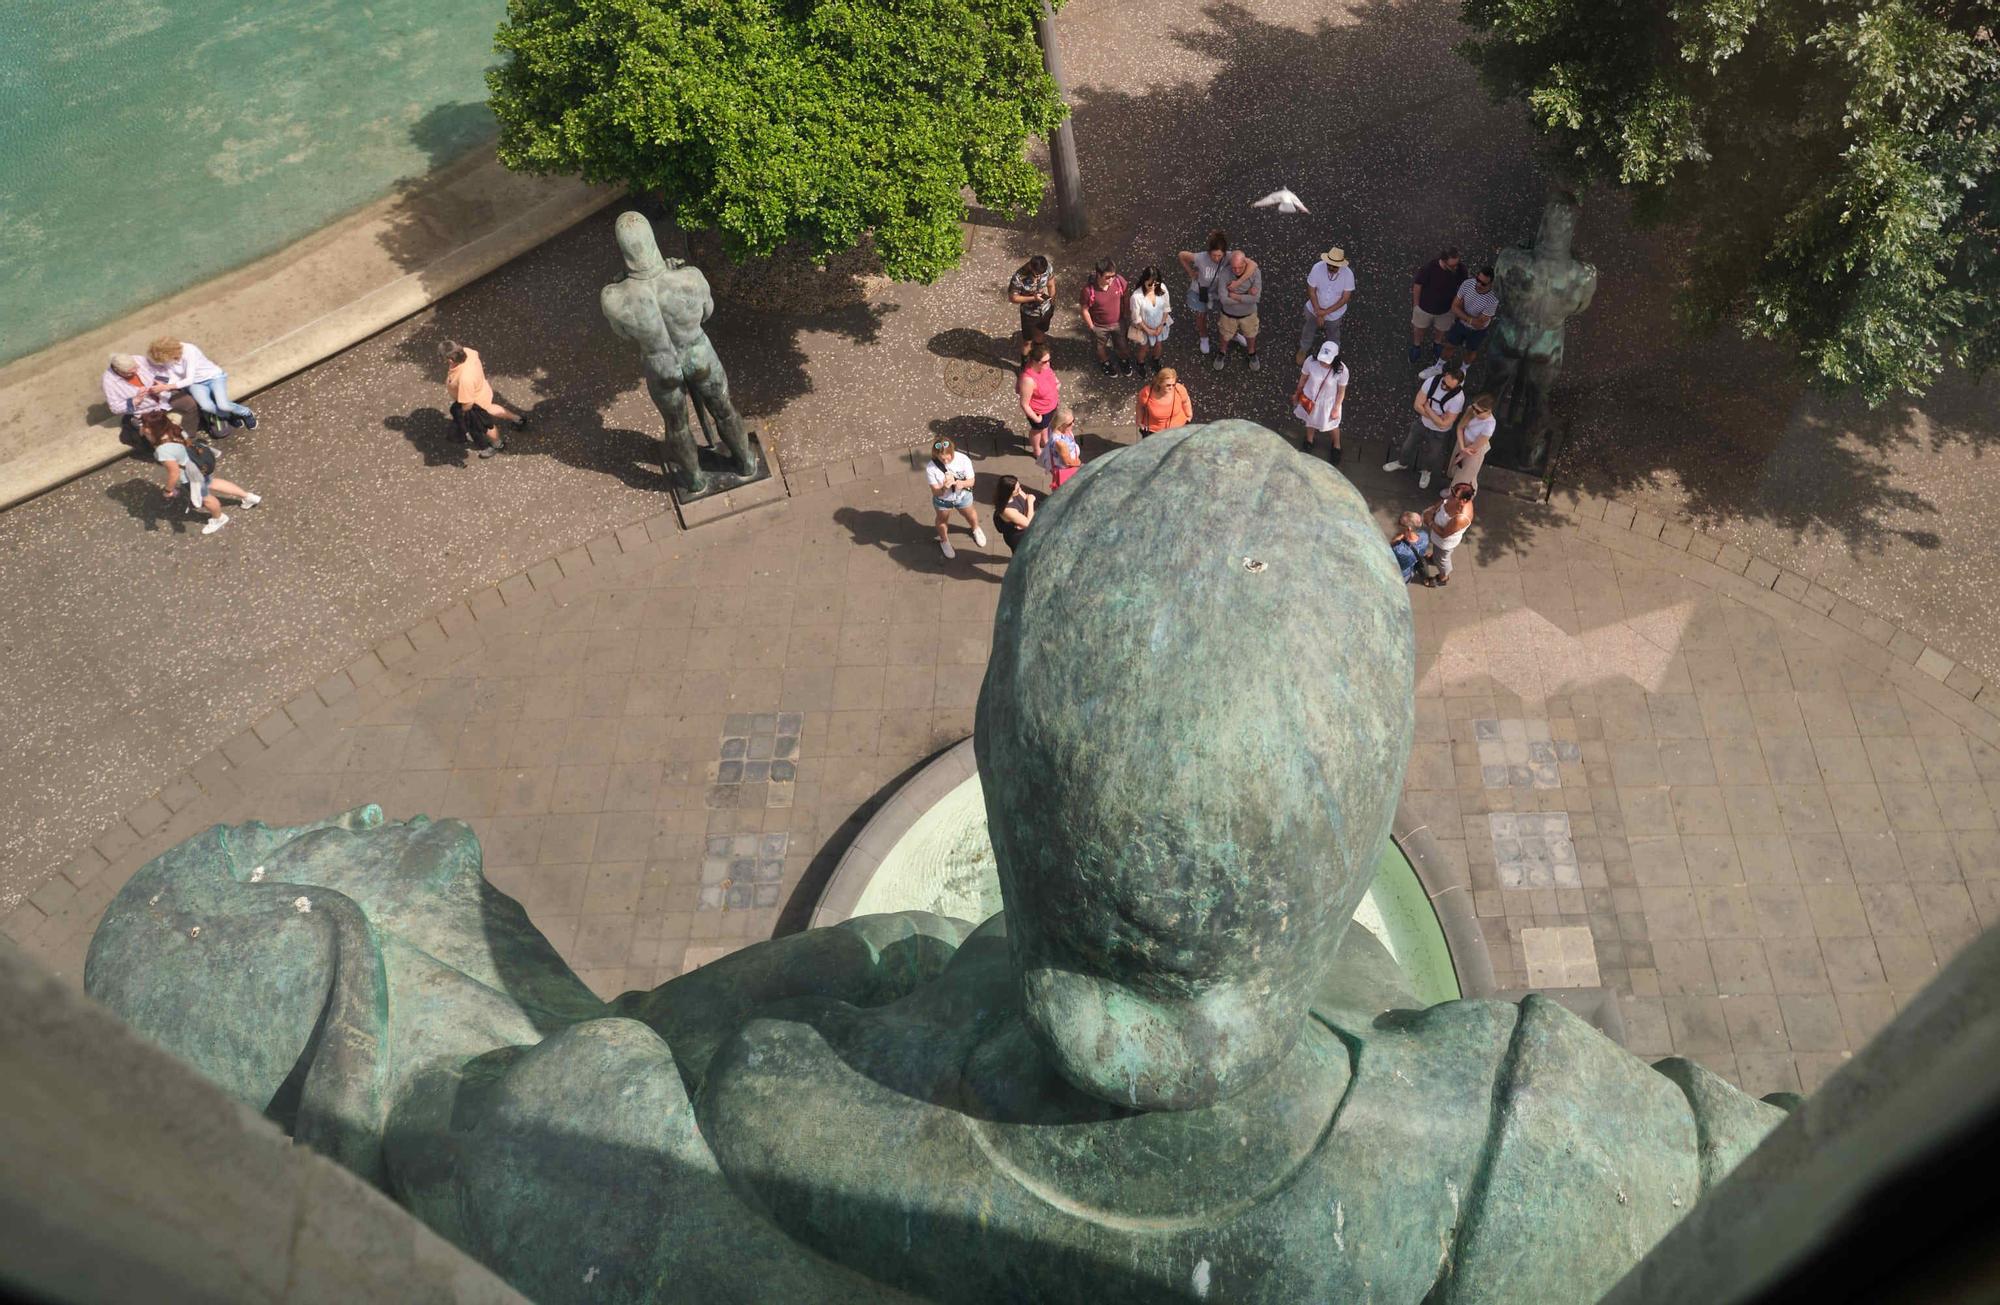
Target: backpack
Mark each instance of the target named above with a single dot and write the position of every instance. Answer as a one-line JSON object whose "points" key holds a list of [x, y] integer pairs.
{"points": [[204, 457]]}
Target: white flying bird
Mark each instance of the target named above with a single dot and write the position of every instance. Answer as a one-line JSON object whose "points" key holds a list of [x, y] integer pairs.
{"points": [[1282, 200]]}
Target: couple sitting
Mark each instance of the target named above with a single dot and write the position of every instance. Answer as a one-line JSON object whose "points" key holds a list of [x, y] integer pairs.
{"points": [[172, 376]]}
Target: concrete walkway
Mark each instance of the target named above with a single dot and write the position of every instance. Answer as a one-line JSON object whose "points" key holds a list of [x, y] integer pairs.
{"points": [[1750, 822]]}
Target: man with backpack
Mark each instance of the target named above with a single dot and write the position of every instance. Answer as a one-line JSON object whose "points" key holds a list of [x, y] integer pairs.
{"points": [[1440, 401]]}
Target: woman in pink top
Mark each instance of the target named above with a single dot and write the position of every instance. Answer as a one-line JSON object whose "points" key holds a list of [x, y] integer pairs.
{"points": [[473, 406], [1040, 392]]}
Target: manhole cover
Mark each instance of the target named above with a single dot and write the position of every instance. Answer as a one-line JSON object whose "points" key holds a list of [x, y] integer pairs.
{"points": [[967, 378]]}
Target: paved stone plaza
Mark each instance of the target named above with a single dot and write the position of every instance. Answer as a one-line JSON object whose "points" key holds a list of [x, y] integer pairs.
{"points": [[1755, 824]]}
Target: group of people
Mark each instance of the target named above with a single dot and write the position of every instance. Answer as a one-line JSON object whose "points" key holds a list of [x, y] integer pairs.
{"points": [[1423, 541], [172, 376], [173, 400], [1128, 324]]}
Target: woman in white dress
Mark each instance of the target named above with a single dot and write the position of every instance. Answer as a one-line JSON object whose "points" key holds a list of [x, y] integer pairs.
{"points": [[1321, 391]]}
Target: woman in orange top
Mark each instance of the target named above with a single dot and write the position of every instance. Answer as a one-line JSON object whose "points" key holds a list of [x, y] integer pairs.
{"points": [[1163, 403], [473, 406]]}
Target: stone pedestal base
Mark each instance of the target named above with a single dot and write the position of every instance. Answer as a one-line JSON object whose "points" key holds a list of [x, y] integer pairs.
{"points": [[729, 493], [1514, 484]]}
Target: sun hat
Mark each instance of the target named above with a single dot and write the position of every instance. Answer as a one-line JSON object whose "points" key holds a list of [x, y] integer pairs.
{"points": [[1335, 257]]}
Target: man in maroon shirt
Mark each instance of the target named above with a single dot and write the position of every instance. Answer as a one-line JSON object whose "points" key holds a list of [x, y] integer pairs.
{"points": [[1103, 305], [1432, 289]]}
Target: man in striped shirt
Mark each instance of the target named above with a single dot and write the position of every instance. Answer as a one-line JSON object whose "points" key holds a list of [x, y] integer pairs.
{"points": [[1472, 316]]}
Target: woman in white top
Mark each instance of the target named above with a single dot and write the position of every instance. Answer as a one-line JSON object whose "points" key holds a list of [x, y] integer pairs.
{"points": [[184, 367], [183, 461], [1475, 436], [1152, 318]]}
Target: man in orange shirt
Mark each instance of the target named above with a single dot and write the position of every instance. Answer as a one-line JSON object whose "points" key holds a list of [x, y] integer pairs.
{"points": [[473, 406]]}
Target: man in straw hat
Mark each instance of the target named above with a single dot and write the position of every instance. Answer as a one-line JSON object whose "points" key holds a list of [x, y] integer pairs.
{"points": [[1328, 288]]}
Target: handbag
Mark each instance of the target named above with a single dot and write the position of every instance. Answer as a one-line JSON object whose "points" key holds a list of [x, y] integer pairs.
{"points": [[204, 457]]}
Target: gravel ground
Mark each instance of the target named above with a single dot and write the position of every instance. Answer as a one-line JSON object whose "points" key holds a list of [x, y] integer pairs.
{"points": [[131, 645]]}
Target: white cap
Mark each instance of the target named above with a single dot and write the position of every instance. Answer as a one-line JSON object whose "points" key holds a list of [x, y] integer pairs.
{"points": [[1329, 351]]}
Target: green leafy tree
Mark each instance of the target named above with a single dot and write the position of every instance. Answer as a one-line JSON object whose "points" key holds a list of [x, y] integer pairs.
{"points": [[816, 121], [1833, 163]]}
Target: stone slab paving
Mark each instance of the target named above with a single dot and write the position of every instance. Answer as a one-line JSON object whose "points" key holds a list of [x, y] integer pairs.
{"points": [[1756, 825]]}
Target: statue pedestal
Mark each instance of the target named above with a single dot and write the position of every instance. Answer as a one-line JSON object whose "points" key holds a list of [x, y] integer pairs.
{"points": [[729, 494]]}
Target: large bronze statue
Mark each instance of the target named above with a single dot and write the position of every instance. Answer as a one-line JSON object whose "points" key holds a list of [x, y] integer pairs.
{"points": [[660, 304], [1167, 1071], [1541, 287]]}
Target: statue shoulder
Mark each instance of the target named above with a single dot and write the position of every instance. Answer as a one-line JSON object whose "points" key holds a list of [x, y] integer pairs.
{"points": [[1578, 1119]]}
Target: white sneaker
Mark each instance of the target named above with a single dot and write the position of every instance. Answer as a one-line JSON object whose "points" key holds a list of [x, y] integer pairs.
{"points": [[1204, 344], [252, 500], [979, 536], [1424, 480], [215, 524], [944, 546], [1392, 465]]}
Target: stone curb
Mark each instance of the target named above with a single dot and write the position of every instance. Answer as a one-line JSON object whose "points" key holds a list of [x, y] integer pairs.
{"points": [[1904, 648]]}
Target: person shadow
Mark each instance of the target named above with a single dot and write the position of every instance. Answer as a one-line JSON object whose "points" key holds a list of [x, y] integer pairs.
{"points": [[141, 497], [912, 543], [430, 432]]}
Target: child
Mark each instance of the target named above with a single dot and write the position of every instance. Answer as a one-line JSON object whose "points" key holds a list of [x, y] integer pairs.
{"points": [[1061, 457]]}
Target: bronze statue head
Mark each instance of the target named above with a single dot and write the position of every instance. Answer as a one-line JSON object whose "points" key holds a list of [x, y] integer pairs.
{"points": [[1558, 229], [637, 243], [1191, 737]]}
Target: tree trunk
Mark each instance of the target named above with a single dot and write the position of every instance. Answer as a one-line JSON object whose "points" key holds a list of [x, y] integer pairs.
{"points": [[1072, 223]]}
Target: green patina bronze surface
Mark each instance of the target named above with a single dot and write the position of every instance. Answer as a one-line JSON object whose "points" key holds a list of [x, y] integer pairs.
{"points": [[1163, 1073]]}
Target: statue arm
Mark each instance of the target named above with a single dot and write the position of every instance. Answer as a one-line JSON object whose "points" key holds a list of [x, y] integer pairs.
{"points": [[867, 961], [1588, 292]]}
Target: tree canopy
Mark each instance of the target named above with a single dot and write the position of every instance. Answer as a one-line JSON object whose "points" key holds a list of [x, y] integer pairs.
{"points": [[816, 121], [1835, 163]]}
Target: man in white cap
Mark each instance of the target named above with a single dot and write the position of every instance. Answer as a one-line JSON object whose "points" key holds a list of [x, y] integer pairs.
{"points": [[1321, 391], [1329, 286]]}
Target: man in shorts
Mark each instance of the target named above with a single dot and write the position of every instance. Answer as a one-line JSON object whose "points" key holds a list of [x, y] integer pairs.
{"points": [[1329, 286], [1032, 289], [1431, 292], [1240, 286], [1206, 279], [1472, 317], [949, 474], [1103, 305]]}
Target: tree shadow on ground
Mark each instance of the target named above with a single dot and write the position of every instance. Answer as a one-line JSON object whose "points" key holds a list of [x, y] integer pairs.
{"points": [[454, 139], [153, 510], [1395, 166]]}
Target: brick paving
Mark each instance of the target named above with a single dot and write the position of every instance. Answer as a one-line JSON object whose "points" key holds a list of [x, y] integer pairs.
{"points": [[1758, 826]]}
